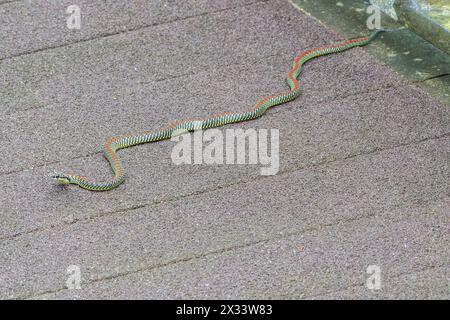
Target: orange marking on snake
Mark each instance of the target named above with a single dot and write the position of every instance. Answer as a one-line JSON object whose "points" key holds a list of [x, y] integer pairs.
{"points": [[330, 46]]}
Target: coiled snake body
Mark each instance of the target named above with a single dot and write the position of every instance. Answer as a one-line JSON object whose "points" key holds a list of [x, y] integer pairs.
{"points": [[114, 144]]}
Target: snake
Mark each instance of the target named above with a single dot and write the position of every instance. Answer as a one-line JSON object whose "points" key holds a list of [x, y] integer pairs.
{"points": [[114, 144]]}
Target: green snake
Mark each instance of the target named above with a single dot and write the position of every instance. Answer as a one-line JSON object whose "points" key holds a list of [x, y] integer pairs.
{"points": [[216, 120]]}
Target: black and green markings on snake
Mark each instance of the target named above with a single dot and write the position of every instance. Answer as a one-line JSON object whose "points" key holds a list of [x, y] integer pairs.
{"points": [[114, 144]]}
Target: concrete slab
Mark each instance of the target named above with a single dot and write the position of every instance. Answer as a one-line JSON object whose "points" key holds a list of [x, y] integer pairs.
{"points": [[297, 266], [63, 77], [87, 116], [32, 26], [439, 87], [319, 133], [432, 283], [380, 186], [68, 135]]}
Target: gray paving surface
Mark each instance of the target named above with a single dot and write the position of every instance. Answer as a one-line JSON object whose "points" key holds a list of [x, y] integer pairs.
{"points": [[30, 26], [363, 175]]}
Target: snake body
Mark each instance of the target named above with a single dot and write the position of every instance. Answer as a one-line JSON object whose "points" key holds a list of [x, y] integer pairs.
{"points": [[111, 146]]}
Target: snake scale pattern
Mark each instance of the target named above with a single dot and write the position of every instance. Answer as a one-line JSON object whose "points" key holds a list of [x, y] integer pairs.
{"points": [[216, 120]]}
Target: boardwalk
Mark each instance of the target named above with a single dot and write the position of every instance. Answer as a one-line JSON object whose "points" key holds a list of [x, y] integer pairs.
{"points": [[364, 159]]}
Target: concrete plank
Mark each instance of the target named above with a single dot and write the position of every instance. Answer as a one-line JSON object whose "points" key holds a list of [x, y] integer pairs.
{"points": [[64, 77], [408, 183], [432, 283], [309, 134], [90, 114], [34, 25], [299, 266]]}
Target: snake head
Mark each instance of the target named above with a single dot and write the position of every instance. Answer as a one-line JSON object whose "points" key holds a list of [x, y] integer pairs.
{"points": [[61, 178]]}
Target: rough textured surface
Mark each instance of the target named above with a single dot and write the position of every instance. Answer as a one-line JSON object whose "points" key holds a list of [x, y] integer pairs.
{"points": [[35, 25], [363, 175]]}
